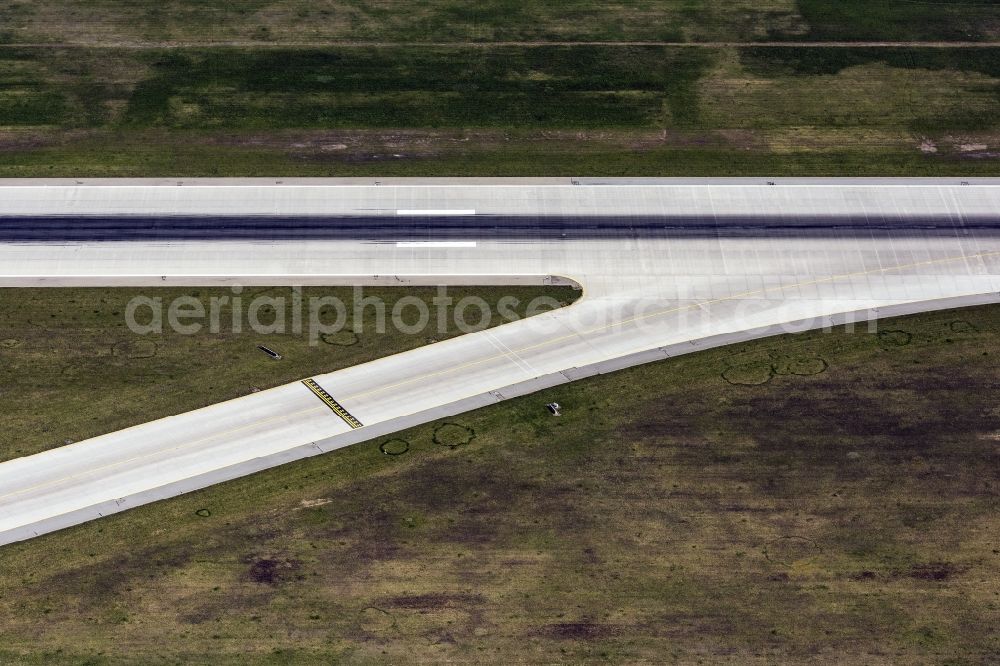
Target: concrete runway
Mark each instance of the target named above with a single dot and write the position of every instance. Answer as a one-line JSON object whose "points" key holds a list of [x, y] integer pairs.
{"points": [[668, 267]]}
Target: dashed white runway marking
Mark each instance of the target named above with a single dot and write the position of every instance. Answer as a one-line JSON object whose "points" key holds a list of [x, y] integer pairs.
{"points": [[441, 211]]}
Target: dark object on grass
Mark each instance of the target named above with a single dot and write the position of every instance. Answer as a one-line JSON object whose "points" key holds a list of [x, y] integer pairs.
{"points": [[554, 408], [270, 352]]}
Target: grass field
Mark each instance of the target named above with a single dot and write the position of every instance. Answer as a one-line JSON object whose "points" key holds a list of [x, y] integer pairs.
{"points": [[108, 21], [828, 497], [77, 371], [825, 497], [551, 110], [187, 88], [899, 20]]}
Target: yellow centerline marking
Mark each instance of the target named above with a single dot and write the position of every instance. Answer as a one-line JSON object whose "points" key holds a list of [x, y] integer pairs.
{"points": [[255, 424]]}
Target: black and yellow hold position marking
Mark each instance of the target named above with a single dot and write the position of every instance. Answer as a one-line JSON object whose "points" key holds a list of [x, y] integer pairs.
{"points": [[337, 408]]}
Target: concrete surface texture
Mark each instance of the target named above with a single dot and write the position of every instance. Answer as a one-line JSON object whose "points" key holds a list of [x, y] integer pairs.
{"points": [[667, 267]]}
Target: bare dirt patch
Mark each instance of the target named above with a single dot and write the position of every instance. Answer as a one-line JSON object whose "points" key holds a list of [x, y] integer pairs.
{"points": [[934, 571], [579, 631], [16, 141], [308, 504], [271, 570]]}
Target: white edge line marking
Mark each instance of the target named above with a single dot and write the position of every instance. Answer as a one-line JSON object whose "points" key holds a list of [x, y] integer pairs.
{"points": [[436, 244], [442, 211], [858, 183]]}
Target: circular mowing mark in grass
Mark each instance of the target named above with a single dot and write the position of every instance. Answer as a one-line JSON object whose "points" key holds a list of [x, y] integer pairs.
{"points": [[394, 447], [203, 513], [376, 621], [748, 375], [790, 549], [453, 435], [803, 367], [134, 349], [962, 326], [888, 339], [340, 338], [10, 343]]}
